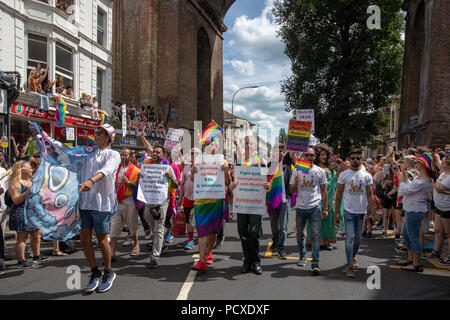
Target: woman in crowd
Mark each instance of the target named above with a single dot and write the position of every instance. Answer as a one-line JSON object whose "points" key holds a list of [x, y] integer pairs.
{"points": [[441, 197], [416, 197], [389, 199], [327, 230], [19, 182]]}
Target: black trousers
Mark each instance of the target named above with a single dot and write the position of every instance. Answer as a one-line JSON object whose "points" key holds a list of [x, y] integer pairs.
{"points": [[144, 222], [250, 230]]}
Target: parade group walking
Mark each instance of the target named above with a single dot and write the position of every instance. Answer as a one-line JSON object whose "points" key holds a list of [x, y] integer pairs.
{"points": [[333, 195]]}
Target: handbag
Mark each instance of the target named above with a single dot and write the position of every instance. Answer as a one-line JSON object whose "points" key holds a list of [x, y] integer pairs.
{"points": [[179, 223]]}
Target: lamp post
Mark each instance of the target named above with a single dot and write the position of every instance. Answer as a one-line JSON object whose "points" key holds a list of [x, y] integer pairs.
{"points": [[232, 110]]}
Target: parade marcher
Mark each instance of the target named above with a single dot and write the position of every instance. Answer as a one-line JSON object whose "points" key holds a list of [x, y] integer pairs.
{"points": [[249, 225], [416, 197], [127, 177], [356, 186], [156, 214], [327, 229], [312, 193], [19, 184], [98, 203], [279, 216], [441, 197], [208, 213], [186, 200]]}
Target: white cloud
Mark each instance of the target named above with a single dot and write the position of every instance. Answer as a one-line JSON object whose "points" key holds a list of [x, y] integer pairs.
{"points": [[243, 68]]}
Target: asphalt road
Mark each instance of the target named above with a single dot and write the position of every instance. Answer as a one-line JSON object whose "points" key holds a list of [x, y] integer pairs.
{"points": [[281, 280]]}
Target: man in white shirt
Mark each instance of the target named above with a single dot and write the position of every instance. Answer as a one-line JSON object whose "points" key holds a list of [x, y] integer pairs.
{"points": [[98, 203], [356, 185], [312, 193]]}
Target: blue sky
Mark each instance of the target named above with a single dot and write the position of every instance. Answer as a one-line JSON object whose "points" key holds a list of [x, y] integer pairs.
{"points": [[253, 55]]}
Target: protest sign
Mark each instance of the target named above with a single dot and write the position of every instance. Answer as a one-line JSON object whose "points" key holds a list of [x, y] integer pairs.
{"points": [[306, 115], [153, 184], [298, 136], [173, 138], [209, 181], [250, 194], [124, 120]]}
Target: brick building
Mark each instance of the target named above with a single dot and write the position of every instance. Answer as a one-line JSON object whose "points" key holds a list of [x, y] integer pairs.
{"points": [[171, 53], [425, 100]]}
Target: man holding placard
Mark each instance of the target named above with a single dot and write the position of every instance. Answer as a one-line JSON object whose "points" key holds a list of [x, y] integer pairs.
{"points": [[153, 190], [311, 183]]}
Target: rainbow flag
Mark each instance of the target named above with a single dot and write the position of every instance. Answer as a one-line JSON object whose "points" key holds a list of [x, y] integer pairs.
{"points": [[103, 119], [91, 140], [124, 191], [256, 162], [302, 165], [212, 130], [274, 195], [209, 215], [61, 112], [143, 156]]}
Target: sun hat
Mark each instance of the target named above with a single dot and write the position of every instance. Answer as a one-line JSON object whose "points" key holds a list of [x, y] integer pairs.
{"points": [[110, 129], [428, 160]]}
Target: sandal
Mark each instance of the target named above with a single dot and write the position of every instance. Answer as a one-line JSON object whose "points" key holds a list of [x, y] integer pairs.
{"points": [[58, 253], [404, 262], [415, 269]]}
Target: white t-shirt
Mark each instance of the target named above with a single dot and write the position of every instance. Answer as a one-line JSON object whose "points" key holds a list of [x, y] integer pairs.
{"points": [[416, 195], [355, 190], [129, 200], [102, 197], [4, 185], [442, 200], [309, 194]]}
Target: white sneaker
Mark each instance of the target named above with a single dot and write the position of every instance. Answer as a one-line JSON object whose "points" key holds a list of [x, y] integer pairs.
{"points": [[147, 235], [127, 242]]}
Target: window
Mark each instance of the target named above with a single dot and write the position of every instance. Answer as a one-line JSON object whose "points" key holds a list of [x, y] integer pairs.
{"points": [[101, 26], [99, 92], [37, 52], [64, 65]]}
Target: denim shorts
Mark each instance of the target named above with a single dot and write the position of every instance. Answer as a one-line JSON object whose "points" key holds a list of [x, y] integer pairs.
{"points": [[97, 220]]}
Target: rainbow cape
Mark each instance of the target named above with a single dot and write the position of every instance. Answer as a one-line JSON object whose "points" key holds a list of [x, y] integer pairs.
{"points": [[132, 174], [212, 130], [61, 112], [274, 195], [302, 165], [209, 215]]}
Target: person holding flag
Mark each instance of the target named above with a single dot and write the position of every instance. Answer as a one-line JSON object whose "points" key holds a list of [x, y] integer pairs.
{"points": [[310, 182]]}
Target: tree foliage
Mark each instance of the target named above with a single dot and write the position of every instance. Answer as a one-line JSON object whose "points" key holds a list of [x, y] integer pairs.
{"points": [[342, 69]]}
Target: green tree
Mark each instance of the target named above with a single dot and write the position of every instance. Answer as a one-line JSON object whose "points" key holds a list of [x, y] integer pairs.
{"points": [[340, 67]]}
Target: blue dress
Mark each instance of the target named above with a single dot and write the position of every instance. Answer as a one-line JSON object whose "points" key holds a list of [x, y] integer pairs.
{"points": [[17, 216]]}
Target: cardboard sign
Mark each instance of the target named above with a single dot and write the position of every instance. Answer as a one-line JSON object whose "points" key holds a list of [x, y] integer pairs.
{"points": [[250, 194], [153, 184], [298, 136], [173, 138], [306, 115]]}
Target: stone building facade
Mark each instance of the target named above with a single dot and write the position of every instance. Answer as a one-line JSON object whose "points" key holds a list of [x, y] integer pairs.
{"points": [[171, 52], [425, 102]]}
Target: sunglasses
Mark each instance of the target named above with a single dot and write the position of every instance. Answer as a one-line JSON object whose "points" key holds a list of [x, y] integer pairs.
{"points": [[98, 133], [355, 158], [395, 168], [309, 154]]}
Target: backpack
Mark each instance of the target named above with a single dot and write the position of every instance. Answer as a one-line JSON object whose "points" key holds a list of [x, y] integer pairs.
{"points": [[379, 191]]}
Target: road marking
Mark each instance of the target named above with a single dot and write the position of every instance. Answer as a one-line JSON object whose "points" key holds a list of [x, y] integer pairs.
{"points": [[187, 285], [269, 254]]}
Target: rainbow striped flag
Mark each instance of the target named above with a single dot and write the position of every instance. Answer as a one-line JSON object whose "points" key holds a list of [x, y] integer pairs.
{"points": [[143, 156], [212, 130], [61, 112], [103, 119], [91, 140], [274, 195], [209, 215], [256, 162], [302, 165]]}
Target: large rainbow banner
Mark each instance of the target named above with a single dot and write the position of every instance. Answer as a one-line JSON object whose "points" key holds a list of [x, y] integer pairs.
{"points": [[298, 136]]}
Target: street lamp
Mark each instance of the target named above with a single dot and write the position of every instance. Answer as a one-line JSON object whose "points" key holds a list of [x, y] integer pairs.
{"points": [[232, 110]]}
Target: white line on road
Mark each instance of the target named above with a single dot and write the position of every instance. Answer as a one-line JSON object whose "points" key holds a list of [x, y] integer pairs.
{"points": [[187, 285]]}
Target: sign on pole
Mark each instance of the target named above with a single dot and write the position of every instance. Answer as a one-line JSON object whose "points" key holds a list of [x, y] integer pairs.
{"points": [[153, 184], [298, 136], [250, 194], [124, 120], [306, 115]]}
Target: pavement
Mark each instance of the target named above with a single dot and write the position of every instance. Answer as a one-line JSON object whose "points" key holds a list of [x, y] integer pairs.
{"points": [[281, 279]]}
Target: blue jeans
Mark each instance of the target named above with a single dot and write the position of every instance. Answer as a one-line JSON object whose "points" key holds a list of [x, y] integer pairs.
{"points": [[279, 219], [353, 231], [411, 230], [314, 216]]}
